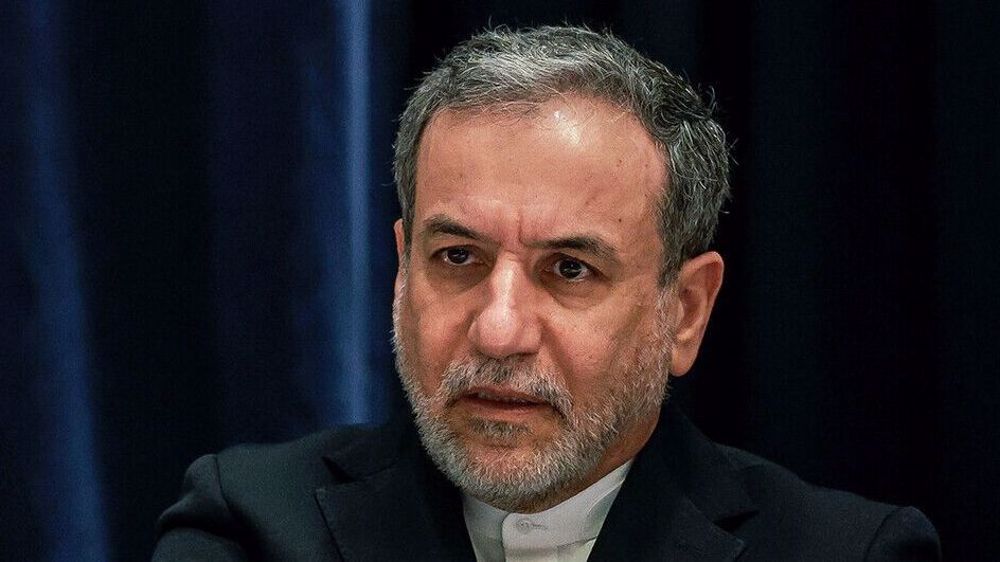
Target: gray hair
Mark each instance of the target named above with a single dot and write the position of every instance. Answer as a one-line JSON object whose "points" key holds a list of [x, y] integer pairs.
{"points": [[503, 67]]}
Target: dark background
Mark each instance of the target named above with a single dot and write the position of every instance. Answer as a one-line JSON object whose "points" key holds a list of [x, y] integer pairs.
{"points": [[195, 241]]}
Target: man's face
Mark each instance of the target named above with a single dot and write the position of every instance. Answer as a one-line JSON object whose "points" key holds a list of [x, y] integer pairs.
{"points": [[532, 335]]}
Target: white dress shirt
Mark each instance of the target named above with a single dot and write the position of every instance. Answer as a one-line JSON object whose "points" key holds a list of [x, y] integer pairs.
{"points": [[564, 533]]}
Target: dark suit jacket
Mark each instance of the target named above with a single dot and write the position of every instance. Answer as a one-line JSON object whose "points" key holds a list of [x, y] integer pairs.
{"points": [[371, 494]]}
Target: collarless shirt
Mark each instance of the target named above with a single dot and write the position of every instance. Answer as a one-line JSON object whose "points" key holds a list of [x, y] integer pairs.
{"points": [[564, 533]]}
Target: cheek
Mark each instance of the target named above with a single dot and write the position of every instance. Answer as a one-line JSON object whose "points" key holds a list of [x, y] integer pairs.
{"points": [[435, 332], [591, 351], [584, 349]]}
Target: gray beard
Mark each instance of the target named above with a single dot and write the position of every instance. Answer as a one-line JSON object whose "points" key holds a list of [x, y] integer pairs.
{"points": [[519, 482]]}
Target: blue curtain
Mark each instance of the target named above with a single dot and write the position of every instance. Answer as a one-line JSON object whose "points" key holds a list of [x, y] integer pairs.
{"points": [[48, 413], [196, 250], [298, 203]]}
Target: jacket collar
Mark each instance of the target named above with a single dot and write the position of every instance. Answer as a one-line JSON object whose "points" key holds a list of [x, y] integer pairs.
{"points": [[391, 503], [680, 496]]}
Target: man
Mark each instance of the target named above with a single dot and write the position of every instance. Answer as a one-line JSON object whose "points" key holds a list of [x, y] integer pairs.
{"points": [[559, 192]]}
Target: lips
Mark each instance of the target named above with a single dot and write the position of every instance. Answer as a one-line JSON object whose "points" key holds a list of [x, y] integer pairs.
{"points": [[503, 396], [496, 398]]}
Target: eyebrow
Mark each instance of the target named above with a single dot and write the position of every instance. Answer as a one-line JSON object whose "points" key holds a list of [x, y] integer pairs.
{"points": [[586, 243], [443, 224], [591, 244]]}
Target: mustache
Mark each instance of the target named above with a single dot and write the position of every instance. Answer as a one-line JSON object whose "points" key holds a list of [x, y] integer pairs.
{"points": [[515, 375]]}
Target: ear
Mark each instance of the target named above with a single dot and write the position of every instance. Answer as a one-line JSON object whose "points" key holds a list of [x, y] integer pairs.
{"points": [[400, 254], [695, 290]]}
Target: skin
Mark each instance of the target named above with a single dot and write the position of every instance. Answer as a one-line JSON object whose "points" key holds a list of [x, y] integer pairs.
{"points": [[535, 239]]}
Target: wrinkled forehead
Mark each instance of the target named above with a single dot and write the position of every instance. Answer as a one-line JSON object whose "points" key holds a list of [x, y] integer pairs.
{"points": [[565, 159], [582, 123]]}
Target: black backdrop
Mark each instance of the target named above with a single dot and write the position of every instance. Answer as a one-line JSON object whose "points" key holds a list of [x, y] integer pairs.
{"points": [[195, 247]]}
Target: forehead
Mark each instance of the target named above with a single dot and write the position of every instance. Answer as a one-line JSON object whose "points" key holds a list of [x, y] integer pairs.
{"points": [[545, 166]]}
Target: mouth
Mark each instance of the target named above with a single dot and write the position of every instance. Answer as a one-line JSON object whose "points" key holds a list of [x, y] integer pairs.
{"points": [[502, 403]]}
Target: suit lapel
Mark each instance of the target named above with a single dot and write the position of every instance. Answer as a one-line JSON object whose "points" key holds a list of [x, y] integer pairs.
{"points": [[678, 491], [405, 510]]}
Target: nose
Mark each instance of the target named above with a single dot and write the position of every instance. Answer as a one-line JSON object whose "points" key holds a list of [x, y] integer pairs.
{"points": [[506, 325]]}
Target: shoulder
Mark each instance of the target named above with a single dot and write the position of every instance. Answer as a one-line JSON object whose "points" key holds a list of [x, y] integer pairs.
{"points": [[268, 475], [262, 498], [299, 453], [792, 511], [773, 486], [315, 460]]}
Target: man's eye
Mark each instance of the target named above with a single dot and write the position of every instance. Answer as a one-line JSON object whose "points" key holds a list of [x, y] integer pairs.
{"points": [[571, 269], [457, 256]]}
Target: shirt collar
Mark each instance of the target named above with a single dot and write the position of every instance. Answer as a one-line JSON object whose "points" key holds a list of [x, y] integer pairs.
{"points": [[577, 519]]}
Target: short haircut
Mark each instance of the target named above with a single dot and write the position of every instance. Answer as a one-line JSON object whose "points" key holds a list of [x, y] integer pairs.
{"points": [[504, 67]]}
